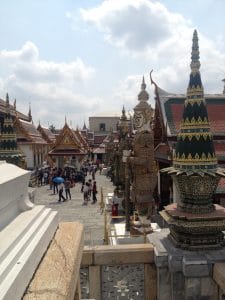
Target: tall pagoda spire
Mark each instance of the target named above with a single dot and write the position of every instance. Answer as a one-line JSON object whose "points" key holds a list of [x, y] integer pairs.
{"points": [[195, 150], [143, 96], [195, 223], [123, 117], [84, 126], [123, 124], [143, 111]]}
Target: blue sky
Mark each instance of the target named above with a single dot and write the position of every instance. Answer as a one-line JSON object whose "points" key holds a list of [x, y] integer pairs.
{"points": [[81, 58]]}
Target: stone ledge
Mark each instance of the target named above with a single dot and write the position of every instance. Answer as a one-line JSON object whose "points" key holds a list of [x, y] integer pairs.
{"points": [[58, 272], [119, 254], [219, 275]]}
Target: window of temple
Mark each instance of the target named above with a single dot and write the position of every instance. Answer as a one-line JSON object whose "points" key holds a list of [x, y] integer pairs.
{"points": [[102, 127]]}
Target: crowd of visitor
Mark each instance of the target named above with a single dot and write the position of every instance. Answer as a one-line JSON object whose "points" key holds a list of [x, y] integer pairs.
{"points": [[61, 180]]}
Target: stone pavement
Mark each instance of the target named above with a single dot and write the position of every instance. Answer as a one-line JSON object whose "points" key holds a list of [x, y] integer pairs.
{"points": [[73, 210]]}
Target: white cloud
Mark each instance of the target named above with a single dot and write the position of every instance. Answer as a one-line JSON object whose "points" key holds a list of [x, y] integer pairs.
{"points": [[135, 25], [54, 89], [148, 31]]}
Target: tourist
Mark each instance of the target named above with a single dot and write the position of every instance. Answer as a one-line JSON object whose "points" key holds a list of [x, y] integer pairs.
{"points": [[40, 178], [94, 192], [89, 187], [55, 185], [100, 168], [61, 186], [67, 188], [46, 177], [93, 173], [86, 190], [83, 184]]}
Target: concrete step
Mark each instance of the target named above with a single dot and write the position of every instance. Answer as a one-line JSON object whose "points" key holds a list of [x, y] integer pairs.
{"points": [[18, 266]]}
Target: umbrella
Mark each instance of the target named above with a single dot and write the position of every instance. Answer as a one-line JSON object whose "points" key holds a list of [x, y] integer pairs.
{"points": [[58, 180]]}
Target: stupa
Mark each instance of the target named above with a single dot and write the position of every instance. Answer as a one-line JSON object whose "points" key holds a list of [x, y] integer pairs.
{"points": [[195, 222]]}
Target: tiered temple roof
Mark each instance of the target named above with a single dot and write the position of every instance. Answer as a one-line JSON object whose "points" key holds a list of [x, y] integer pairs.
{"points": [[69, 142], [27, 133], [12, 111], [46, 134]]}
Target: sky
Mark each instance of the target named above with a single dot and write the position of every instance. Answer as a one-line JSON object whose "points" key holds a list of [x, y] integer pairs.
{"points": [[81, 58]]}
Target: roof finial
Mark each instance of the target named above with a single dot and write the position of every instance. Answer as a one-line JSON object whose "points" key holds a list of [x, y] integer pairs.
{"points": [[29, 113], [7, 107], [14, 105], [65, 120], [123, 117], [224, 86], [143, 95], [7, 99], [195, 63], [123, 111], [84, 126], [143, 85]]}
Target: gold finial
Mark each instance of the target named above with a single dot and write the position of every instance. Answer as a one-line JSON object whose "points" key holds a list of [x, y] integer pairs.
{"points": [[29, 113], [14, 105], [224, 86]]}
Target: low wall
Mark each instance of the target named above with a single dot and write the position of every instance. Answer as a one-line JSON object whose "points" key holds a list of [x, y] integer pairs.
{"points": [[57, 276], [108, 272]]}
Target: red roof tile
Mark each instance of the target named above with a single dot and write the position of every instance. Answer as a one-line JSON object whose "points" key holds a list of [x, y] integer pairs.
{"points": [[173, 108]]}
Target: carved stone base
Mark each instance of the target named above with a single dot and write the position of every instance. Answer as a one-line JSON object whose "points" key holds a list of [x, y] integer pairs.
{"points": [[140, 230], [195, 231]]}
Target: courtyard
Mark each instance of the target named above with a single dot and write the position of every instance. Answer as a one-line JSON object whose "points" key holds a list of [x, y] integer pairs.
{"points": [[72, 210]]}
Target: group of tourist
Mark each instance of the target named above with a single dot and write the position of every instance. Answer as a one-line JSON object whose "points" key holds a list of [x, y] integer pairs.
{"points": [[89, 189], [69, 177]]}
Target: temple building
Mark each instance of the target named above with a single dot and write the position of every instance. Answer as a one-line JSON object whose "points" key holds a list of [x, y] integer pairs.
{"points": [[13, 111], [102, 125], [30, 147], [167, 118], [70, 148], [30, 142], [46, 134], [8, 143]]}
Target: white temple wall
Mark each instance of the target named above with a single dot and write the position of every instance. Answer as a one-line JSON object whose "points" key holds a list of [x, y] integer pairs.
{"points": [[110, 123], [29, 155]]}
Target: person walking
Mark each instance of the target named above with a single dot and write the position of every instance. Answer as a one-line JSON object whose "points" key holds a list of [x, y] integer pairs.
{"points": [[55, 185], [67, 188], [61, 193], [94, 192], [85, 191], [93, 173], [83, 184], [89, 188]]}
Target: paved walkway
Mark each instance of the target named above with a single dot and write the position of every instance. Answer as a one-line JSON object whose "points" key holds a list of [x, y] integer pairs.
{"points": [[73, 210]]}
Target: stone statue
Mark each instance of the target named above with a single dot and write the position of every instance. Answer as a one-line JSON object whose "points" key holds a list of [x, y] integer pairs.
{"points": [[143, 173], [142, 160]]}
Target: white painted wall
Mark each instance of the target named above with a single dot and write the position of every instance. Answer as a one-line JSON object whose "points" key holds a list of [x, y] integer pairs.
{"points": [[27, 151], [110, 123]]}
